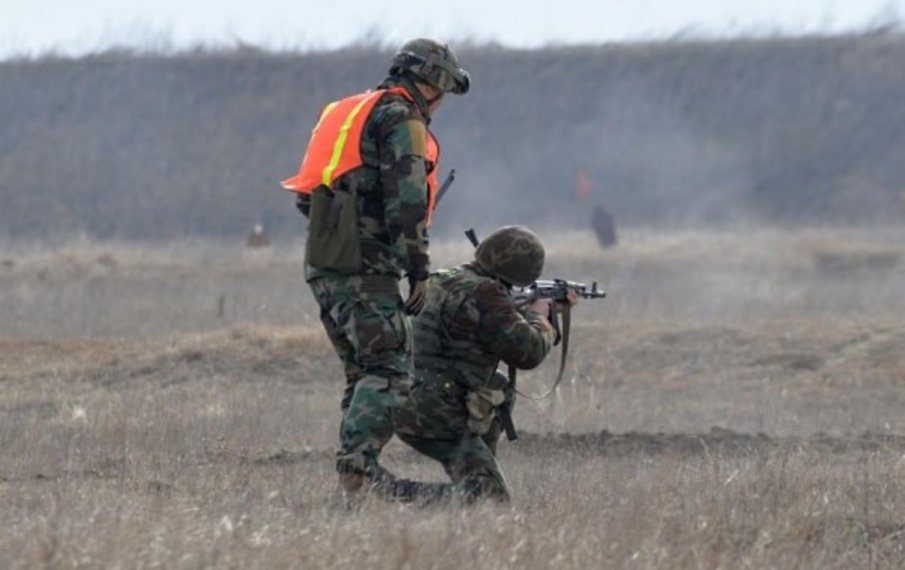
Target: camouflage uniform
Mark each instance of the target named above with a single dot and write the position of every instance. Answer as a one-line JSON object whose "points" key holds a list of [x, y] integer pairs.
{"points": [[468, 325], [363, 313]]}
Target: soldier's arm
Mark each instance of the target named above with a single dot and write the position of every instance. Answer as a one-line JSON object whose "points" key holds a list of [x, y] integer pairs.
{"points": [[520, 341], [404, 181]]}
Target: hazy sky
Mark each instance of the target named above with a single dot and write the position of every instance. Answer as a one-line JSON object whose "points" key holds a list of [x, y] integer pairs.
{"points": [[76, 26]]}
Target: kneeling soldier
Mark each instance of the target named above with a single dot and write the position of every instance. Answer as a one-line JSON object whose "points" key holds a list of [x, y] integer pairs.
{"points": [[469, 324]]}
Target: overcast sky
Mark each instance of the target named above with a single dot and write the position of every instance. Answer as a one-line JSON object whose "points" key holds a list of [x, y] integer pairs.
{"points": [[76, 26]]}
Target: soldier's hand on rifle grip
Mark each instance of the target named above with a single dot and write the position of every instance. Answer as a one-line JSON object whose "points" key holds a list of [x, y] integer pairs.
{"points": [[417, 294], [541, 306], [571, 298]]}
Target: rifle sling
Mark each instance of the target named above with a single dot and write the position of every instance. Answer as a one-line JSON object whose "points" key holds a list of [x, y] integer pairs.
{"points": [[564, 330], [506, 410]]}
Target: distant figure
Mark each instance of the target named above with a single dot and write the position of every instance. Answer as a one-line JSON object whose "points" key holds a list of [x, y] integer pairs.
{"points": [[604, 227], [258, 238]]}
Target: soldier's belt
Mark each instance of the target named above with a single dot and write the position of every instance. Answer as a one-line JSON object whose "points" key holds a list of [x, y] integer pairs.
{"points": [[379, 284], [437, 382], [460, 369]]}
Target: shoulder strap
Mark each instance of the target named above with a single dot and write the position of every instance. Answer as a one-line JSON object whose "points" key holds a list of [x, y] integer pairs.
{"points": [[564, 354]]}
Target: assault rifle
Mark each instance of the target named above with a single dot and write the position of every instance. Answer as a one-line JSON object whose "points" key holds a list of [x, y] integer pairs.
{"points": [[555, 290]]}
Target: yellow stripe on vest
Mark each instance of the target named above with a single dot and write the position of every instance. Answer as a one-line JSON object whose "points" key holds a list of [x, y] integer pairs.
{"points": [[340, 143]]}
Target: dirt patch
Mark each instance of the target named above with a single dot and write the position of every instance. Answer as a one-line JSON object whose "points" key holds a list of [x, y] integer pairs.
{"points": [[717, 441]]}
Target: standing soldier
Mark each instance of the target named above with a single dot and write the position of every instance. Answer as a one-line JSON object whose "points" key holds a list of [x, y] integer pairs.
{"points": [[368, 184], [469, 324]]}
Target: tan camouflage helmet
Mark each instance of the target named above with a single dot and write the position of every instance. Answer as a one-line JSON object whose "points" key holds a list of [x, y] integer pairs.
{"points": [[432, 63], [513, 254]]}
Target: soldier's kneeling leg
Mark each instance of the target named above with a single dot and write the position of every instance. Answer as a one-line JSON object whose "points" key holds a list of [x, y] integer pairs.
{"points": [[478, 487], [475, 472], [391, 488]]}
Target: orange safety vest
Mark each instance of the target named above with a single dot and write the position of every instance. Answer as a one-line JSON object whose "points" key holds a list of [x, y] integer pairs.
{"points": [[335, 145]]}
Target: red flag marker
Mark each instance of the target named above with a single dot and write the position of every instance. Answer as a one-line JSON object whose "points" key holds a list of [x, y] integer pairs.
{"points": [[583, 190]]}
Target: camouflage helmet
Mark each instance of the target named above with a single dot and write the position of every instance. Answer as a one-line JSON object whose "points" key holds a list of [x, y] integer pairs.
{"points": [[433, 63], [513, 254]]}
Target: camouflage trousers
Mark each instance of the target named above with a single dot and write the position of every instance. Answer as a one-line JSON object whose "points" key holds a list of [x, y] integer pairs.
{"points": [[434, 421], [366, 323]]}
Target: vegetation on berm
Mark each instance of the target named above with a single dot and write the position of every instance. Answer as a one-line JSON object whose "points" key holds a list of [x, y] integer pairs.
{"points": [[127, 146]]}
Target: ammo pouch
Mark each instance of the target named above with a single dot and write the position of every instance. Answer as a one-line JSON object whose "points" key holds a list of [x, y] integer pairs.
{"points": [[333, 240], [480, 404]]}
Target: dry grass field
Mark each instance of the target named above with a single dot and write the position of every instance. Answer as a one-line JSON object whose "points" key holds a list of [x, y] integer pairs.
{"points": [[736, 402]]}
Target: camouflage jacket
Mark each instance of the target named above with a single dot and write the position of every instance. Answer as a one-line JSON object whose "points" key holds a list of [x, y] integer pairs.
{"points": [[391, 188], [469, 324]]}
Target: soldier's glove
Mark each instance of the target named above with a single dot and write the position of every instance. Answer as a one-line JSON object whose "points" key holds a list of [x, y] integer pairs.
{"points": [[417, 294]]}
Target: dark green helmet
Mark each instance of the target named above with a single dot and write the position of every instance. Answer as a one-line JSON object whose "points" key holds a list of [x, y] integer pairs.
{"points": [[513, 254], [433, 63]]}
